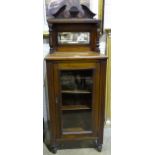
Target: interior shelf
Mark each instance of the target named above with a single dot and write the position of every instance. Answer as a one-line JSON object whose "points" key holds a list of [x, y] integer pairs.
{"points": [[75, 107], [75, 131], [76, 91]]}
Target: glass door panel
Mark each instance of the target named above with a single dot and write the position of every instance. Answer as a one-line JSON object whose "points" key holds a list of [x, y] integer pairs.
{"points": [[76, 121], [76, 97]]}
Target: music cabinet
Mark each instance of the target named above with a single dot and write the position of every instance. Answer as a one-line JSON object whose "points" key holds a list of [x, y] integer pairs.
{"points": [[76, 75]]}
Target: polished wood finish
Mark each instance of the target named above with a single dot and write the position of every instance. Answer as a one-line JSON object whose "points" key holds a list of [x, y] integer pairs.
{"points": [[71, 56], [56, 62], [76, 18], [67, 114], [73, 25]]}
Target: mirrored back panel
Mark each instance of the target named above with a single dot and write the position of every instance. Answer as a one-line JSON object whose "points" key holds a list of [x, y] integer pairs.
{"points": [[73, 38]]}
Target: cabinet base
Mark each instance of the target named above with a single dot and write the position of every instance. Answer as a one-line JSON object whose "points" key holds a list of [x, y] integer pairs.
{"points": [[95, 144]]}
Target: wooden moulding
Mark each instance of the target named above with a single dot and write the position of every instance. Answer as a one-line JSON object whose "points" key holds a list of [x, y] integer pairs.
{"points": [[73, 11], [75, 56]]}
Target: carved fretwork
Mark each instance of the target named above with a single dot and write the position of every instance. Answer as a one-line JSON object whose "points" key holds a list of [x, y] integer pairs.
{"points": [[50, 38], [87, 12], [60, 13], [97, 39]]}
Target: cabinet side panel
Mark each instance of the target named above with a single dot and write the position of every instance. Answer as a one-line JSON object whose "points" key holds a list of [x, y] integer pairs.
{"points": [[96, 98], [102, 100], [51, 98], [57, 100]]}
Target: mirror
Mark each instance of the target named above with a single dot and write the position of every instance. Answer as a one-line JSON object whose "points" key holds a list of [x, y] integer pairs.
{"points": [[73, 38]]}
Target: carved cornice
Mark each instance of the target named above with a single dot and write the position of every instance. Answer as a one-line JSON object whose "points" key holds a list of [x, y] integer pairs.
{"points": [[74, 12]]}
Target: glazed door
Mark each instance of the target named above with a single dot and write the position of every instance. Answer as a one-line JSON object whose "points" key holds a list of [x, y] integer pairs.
{"points": [[77, 98]]}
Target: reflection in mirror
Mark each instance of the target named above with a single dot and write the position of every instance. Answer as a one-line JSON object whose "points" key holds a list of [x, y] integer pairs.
{"points": [[73, 37]]}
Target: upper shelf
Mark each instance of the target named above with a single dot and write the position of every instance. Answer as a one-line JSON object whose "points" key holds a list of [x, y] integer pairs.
{"points": [[72, 20], [76, 92]]}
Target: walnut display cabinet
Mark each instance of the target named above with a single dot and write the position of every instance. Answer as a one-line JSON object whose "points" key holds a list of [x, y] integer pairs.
{"points": [[76, 74]]}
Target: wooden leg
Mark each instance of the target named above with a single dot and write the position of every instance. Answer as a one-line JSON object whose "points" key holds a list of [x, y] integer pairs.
{"points": [[99, 147], [54, 149]]}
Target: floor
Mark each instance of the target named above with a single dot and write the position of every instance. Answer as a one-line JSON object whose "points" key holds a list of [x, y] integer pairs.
{"points": [[86, 151]]}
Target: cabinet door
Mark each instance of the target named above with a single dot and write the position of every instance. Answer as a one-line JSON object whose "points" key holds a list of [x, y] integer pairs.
{"points": [[77, 98]]}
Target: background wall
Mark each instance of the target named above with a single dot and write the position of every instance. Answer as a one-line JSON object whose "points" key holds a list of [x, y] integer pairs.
{"points": [[107, 14]]}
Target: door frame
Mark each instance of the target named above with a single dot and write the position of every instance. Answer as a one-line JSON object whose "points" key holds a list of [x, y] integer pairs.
{"points": [[95, 100]]}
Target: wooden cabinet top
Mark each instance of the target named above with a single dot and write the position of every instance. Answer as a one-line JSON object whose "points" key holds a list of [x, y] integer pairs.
{"points": [[75, 56]]}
